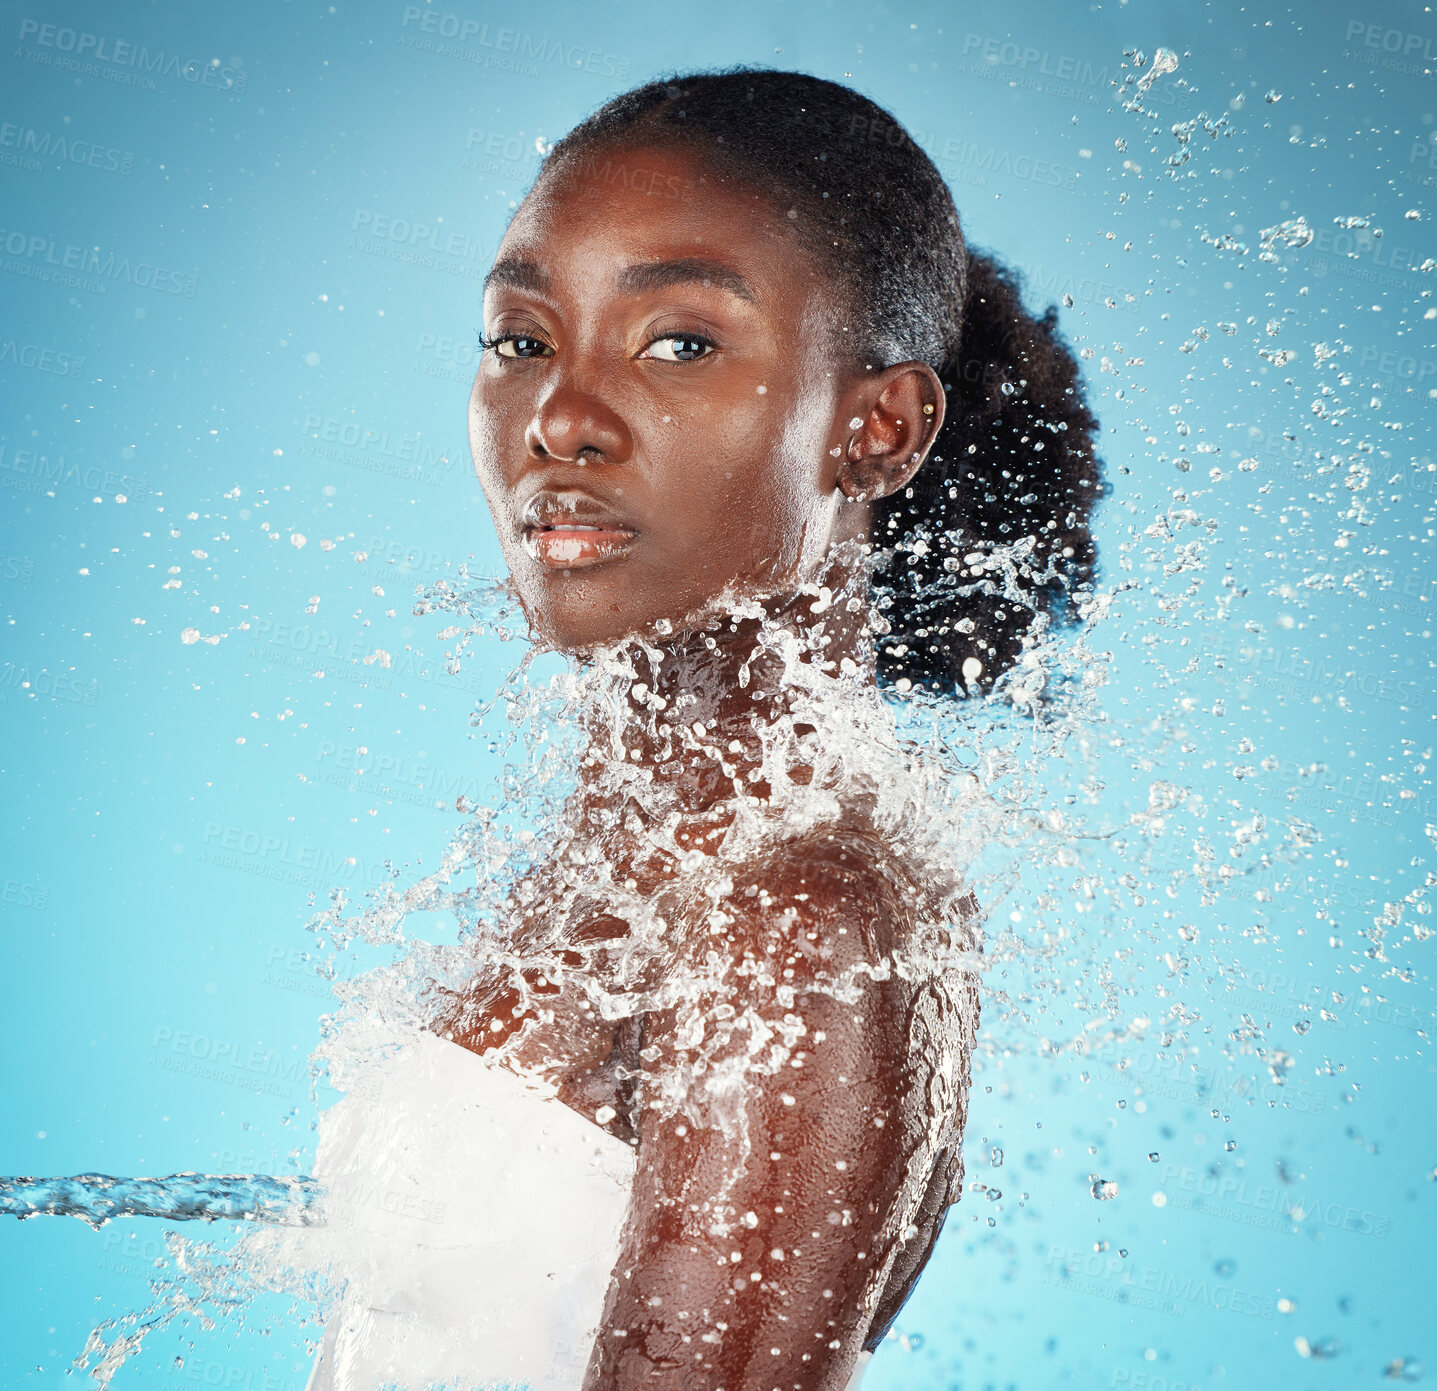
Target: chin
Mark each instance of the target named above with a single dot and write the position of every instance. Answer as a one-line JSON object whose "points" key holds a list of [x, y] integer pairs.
{"points": [[574, 615], [577, 610]]}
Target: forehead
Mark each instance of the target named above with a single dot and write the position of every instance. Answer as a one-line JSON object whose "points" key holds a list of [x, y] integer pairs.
{"points": [[611, 209]]}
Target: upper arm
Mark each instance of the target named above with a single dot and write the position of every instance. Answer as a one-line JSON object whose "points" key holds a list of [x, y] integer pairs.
{"points": [[776, 1152]]}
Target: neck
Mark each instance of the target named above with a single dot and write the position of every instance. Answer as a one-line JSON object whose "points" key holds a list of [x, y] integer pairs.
{"points": [[692, 709]]}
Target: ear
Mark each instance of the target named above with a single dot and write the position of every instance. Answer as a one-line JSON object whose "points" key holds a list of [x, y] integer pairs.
{"points": [[892, 420]]}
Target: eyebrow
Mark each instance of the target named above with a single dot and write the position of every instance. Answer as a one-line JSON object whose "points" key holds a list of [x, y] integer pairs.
{"points": [[633, 280]]}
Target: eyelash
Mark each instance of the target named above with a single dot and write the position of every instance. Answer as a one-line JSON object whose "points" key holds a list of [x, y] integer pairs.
{"points": [[492, 344]]}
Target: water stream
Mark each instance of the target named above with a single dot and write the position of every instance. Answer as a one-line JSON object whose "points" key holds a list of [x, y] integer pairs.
{"points": [[98, 1198]]}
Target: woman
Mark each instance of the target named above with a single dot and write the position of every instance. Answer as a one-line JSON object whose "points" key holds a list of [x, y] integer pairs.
{"points": [[743, 386]]}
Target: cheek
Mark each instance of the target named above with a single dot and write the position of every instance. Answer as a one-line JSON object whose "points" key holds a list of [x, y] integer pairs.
{"points": [[482, 425], [485, 427], [748, 489], [790, 493]]}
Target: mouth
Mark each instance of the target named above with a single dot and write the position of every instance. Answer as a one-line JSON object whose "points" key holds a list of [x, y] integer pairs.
{"points": [[569, 530]]}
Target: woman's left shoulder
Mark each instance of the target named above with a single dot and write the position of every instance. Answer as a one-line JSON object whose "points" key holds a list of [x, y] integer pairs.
{"points": [[879, 898], [836, 882]]}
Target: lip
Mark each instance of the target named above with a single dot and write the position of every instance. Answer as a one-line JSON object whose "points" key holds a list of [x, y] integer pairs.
{"points": [[566, 529]]}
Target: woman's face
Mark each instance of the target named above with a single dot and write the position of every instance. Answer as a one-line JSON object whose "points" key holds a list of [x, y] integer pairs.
{"points": [[656, 422]]}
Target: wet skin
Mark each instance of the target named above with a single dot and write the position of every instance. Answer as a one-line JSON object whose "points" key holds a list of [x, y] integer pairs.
{"points": [[661, 418]]}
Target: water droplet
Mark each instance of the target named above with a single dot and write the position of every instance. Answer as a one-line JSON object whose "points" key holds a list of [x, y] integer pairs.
{"points": [[1407, 1369], [1103, 1189]]}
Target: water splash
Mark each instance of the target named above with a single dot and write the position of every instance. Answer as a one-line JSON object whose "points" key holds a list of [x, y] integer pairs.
{"points": [[1080, 874], [98, 1198], [1294, 234], [1164, 61], [668, 844]]}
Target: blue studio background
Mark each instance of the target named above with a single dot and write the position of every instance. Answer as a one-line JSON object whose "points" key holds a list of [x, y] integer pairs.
{"points": [[240, 261]]}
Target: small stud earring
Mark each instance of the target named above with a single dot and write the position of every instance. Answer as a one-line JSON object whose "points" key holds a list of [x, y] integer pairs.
{"points": [[928, 410]]}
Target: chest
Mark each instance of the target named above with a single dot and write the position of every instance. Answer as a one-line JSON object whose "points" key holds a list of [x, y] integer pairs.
{"points": [[565, 996]]}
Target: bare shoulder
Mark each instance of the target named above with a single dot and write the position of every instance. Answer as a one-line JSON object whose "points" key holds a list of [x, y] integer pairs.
{"points": [[836, 895], [821, 911]]}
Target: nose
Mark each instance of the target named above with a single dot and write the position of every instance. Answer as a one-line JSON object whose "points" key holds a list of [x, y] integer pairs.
{"points": [[573, 423]]}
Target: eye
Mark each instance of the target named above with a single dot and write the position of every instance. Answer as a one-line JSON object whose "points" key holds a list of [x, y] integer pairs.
{"points": [[678, 347], [513, 345]]}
